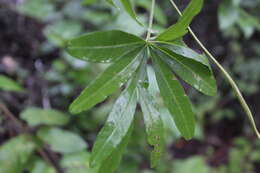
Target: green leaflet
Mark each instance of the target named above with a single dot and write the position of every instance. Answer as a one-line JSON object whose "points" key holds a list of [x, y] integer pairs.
{"points": [[174, 97], [118, 122], [103, 46], [8, 84], [108, 82], [153, 124], [15, 153], [179, 29], [116, 127], [185, 52], [194, 73], [113, 161]]}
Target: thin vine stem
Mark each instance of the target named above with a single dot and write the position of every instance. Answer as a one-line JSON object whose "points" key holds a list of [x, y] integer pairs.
{"points": [[226, 74], [150, 21]]}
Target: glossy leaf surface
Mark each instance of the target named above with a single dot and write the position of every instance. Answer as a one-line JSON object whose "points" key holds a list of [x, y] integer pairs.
{"points": [[174, 97], [103, 46], [153, 124], [108, 82], [116, 127], [180, 28], [113, 161], [119, 121], [185, 52], [196, 74]]}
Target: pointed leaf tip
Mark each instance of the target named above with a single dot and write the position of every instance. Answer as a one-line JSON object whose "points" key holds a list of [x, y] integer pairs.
{"points": [[179, 29]]}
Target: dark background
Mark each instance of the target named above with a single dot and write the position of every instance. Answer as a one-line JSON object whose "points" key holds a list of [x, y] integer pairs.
{"points": [[32, 52]]}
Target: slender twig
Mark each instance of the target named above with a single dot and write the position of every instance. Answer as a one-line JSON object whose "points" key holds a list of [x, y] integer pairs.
{"points": [[43, 153], [10, 115], [226, 74], [150, 21]]}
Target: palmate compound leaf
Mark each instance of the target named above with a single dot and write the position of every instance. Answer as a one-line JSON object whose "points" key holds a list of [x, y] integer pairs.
{"points": [[174, 96], [103, 46], [179, 29], [108, 82], [153, 124], [119, 121], [112, 139], [190, 66]]}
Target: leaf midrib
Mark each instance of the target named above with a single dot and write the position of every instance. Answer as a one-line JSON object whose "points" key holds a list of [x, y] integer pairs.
{"points": [[107, 83], [203, 61], [116, 127], [150, 113], [106, 47], [179, 107]]}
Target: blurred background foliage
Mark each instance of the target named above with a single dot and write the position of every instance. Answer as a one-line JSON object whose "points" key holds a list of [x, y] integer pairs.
{"points": [[39, 80]]}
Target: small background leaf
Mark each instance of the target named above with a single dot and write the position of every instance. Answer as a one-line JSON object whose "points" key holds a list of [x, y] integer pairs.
{"points": [[77, 162], [8, 84], [15, 153], [129, 9], [39, 166], [37, 116], [40, 9], [59, 32], [194, 164], [61, 140]]}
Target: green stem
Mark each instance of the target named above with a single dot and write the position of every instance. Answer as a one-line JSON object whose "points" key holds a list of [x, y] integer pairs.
{"points": [[227, 76], [150, 21]]}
